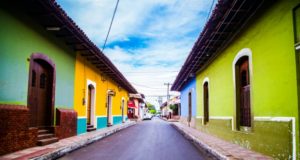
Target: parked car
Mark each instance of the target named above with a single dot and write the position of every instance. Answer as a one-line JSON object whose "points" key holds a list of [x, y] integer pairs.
{"points": [[147, 116]]}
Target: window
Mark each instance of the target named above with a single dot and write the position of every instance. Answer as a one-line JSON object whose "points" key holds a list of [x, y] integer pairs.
{"points": [[205, 103], [242, 80], [43, 80]]}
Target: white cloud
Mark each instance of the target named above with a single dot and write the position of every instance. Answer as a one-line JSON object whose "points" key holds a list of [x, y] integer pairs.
{"points": [[171, 26]]}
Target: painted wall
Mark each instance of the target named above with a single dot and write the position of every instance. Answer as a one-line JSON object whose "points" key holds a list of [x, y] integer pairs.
{"points": [[20, 37], [85, 72], [184, 93], [270, 38]]}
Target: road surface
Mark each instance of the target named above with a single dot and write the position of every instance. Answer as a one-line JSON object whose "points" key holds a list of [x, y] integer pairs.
{"points": [[149, 140]]}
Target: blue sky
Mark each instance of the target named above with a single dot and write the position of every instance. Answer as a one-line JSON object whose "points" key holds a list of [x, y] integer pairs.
{"points": [[149, 40]]}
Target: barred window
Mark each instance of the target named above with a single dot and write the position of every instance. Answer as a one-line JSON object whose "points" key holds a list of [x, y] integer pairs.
{"points": [[243, 92], [43, 79]]}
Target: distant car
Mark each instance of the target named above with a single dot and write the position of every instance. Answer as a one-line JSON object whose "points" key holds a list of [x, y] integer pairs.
{"points": [[147, 116]]}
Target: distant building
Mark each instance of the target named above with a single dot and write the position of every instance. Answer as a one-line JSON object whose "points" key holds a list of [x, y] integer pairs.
{"points": [[136, 106]]}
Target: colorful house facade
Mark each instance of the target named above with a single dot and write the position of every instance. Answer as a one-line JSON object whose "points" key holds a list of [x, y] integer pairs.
{"points": [[99, 100], [247, 76], [136, 106], [52, 77], [188, 100]]}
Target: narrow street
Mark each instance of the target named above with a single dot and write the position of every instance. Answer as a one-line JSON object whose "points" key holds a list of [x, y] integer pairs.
{"points": [[148, 140]]}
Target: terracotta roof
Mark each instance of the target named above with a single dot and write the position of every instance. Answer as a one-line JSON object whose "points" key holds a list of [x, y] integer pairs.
{"points": [[227, 19], [49, 14]]}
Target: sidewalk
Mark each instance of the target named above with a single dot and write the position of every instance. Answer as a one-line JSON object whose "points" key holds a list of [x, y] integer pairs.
{"points": [[169, 120], [64, 146], [217, 147]]}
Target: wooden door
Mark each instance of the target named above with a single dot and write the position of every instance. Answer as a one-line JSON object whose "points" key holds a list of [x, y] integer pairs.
{"points": [[109, 111], [40, 93], [206, 102], [89, 104], [245, 115], [189, 107]]}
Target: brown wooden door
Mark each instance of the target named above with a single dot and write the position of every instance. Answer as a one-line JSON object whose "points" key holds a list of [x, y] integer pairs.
{"points": [[206, 102], [245, 115], [41, 93], [189, 107], [89, 104], [109, 111]]}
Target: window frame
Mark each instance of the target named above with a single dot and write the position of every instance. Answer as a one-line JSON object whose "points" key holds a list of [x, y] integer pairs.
{"points": [[297, 44], [246, 52]]}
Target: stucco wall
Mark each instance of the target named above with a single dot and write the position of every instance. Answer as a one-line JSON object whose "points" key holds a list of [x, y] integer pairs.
{"points": [[85, 72], [20, 37], [184, 93], [270, 41]]}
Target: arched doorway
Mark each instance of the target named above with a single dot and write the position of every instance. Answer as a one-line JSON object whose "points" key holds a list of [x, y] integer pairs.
{"points": [[243, 92], [205, 103], [110, 94], [90, 104], [41, 90]]}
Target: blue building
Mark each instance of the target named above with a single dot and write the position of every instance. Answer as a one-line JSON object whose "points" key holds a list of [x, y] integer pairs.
{"points": [[188, 102]]}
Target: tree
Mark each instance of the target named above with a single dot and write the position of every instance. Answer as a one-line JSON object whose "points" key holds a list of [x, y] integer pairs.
{"points": [[151, 108]]}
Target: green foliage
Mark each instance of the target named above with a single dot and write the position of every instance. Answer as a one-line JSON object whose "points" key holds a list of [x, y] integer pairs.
{"points": [[152, 111], [151, 108], [173, 107]]}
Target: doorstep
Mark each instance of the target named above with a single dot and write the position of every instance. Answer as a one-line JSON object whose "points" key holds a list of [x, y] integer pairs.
{"points": [[217, 147], [66, 145]]}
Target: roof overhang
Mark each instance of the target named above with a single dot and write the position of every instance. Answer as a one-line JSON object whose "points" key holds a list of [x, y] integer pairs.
{"points": [[54, 20], [227, 19]]}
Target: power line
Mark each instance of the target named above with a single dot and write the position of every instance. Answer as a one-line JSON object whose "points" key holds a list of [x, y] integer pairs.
{"points": [[145, 86], [151, 72], [111, 22], [210, 10]]}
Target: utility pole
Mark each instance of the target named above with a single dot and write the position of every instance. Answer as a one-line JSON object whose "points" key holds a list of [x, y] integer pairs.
{"points": [[168, 90]]}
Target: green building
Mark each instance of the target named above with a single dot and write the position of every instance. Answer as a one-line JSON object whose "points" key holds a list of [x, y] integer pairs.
{"points": [[246, 65], [39, 48]]}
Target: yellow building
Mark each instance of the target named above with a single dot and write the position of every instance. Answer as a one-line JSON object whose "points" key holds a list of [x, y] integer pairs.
{"points": [[101, 93]]}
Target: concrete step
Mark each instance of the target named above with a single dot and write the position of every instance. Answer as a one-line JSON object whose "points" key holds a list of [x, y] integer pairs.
{"points": [[46, 141], [43, 131], [45, 136], [90, 126], [90, 129]]}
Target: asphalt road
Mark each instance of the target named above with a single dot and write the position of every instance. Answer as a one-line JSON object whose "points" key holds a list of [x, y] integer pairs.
{"points": [[149, 140]]}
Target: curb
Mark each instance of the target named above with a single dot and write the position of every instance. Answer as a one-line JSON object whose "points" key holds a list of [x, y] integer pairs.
{"points": [[200, 144], [76, 145]]}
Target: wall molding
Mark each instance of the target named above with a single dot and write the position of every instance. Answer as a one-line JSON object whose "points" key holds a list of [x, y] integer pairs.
{"points": [[283, 119], [81, 117], [270, 119], [101, 116]]}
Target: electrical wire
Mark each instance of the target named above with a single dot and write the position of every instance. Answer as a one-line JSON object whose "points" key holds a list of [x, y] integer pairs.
{"points": [[210, 10], [111, 22]]}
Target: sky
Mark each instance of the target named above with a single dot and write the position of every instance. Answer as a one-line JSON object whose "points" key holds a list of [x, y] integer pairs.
{"points": [[149, 40]]}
